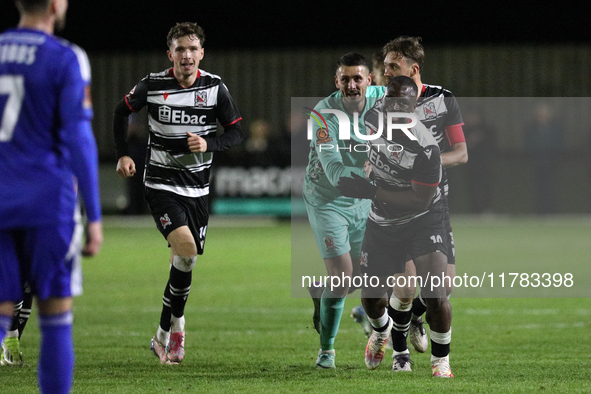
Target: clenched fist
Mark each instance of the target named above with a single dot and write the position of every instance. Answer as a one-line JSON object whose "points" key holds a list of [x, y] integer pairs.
{"points": [[196, 143]]}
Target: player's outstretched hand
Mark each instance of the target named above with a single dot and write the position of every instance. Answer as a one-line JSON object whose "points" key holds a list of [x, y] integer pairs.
{"points": [[125, 167], [94, 239], [356, 187], [196, 143]]}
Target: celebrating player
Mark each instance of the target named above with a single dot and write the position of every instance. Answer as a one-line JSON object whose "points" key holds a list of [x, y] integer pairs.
{"points": [[184, 103], [47, 150], [406, 219], [338, 222], [438, 110]]}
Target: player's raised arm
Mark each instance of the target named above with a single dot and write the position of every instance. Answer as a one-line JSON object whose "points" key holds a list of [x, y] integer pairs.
{"points": [[132, 102]]}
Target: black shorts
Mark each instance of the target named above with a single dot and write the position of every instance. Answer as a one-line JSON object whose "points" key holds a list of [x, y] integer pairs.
{"points": [[450, 247], [171, 211], [386, 249]]}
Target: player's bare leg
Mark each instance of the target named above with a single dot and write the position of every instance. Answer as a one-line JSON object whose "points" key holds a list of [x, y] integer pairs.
{"points": [[416, 331], [169, 342], [439, 313], [449, 285]]}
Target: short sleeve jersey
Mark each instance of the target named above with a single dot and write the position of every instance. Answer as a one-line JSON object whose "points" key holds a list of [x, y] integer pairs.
{"points": [[172, 112], [437, 108], [398, 163], [330, 157], [44, 84]]}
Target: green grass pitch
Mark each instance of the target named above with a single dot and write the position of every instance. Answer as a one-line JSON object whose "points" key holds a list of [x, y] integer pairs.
{"points": [[245, 332]]}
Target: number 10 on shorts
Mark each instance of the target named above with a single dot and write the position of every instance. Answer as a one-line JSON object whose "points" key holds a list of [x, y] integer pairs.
{"points": [[436, 239]]}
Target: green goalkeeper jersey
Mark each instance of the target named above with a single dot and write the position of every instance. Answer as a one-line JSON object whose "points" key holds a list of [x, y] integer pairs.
{"points": [[331, 158]]}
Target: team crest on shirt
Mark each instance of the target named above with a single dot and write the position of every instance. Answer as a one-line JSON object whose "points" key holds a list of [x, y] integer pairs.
{"points": [[329, 243], [397, 153], [363, 260], [322, 136], [201, 98], [429, 110], [165, 221]]}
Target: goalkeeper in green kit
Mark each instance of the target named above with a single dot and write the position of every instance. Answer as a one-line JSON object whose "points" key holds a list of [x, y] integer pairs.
{"points": [[338, 222]]}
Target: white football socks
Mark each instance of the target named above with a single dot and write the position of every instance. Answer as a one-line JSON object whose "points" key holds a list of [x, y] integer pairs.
{"points": [[177, 324]]}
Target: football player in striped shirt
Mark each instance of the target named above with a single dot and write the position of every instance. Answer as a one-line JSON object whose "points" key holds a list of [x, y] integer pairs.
{"points": [[47, 151], [406, 219], [438, 110], [184, 105]]}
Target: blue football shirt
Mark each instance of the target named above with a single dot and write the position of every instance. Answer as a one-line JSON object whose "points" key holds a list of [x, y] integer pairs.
{"points": [[46, 141]]}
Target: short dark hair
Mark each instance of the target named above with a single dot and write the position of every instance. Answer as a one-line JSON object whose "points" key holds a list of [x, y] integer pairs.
{"points": [[352, 59], [32, 6], [401, 82], [185, 29], [408, 47], [378, 60]]}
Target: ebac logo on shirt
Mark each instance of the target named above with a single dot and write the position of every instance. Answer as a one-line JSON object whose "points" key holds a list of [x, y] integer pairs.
{"points": [[177, 116]]}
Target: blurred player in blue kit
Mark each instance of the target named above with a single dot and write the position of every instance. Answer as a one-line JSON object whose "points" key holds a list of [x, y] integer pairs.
{"points": [[11, 354], [47, 153], [184, 105]]}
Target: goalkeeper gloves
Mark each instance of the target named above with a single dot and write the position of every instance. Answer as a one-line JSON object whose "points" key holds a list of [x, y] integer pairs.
{"points": [[356, 187]]}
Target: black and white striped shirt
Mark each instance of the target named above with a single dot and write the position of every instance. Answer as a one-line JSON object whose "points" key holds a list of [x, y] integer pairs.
{"points": [[398, 163], [437, 108], [172, 112]]}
